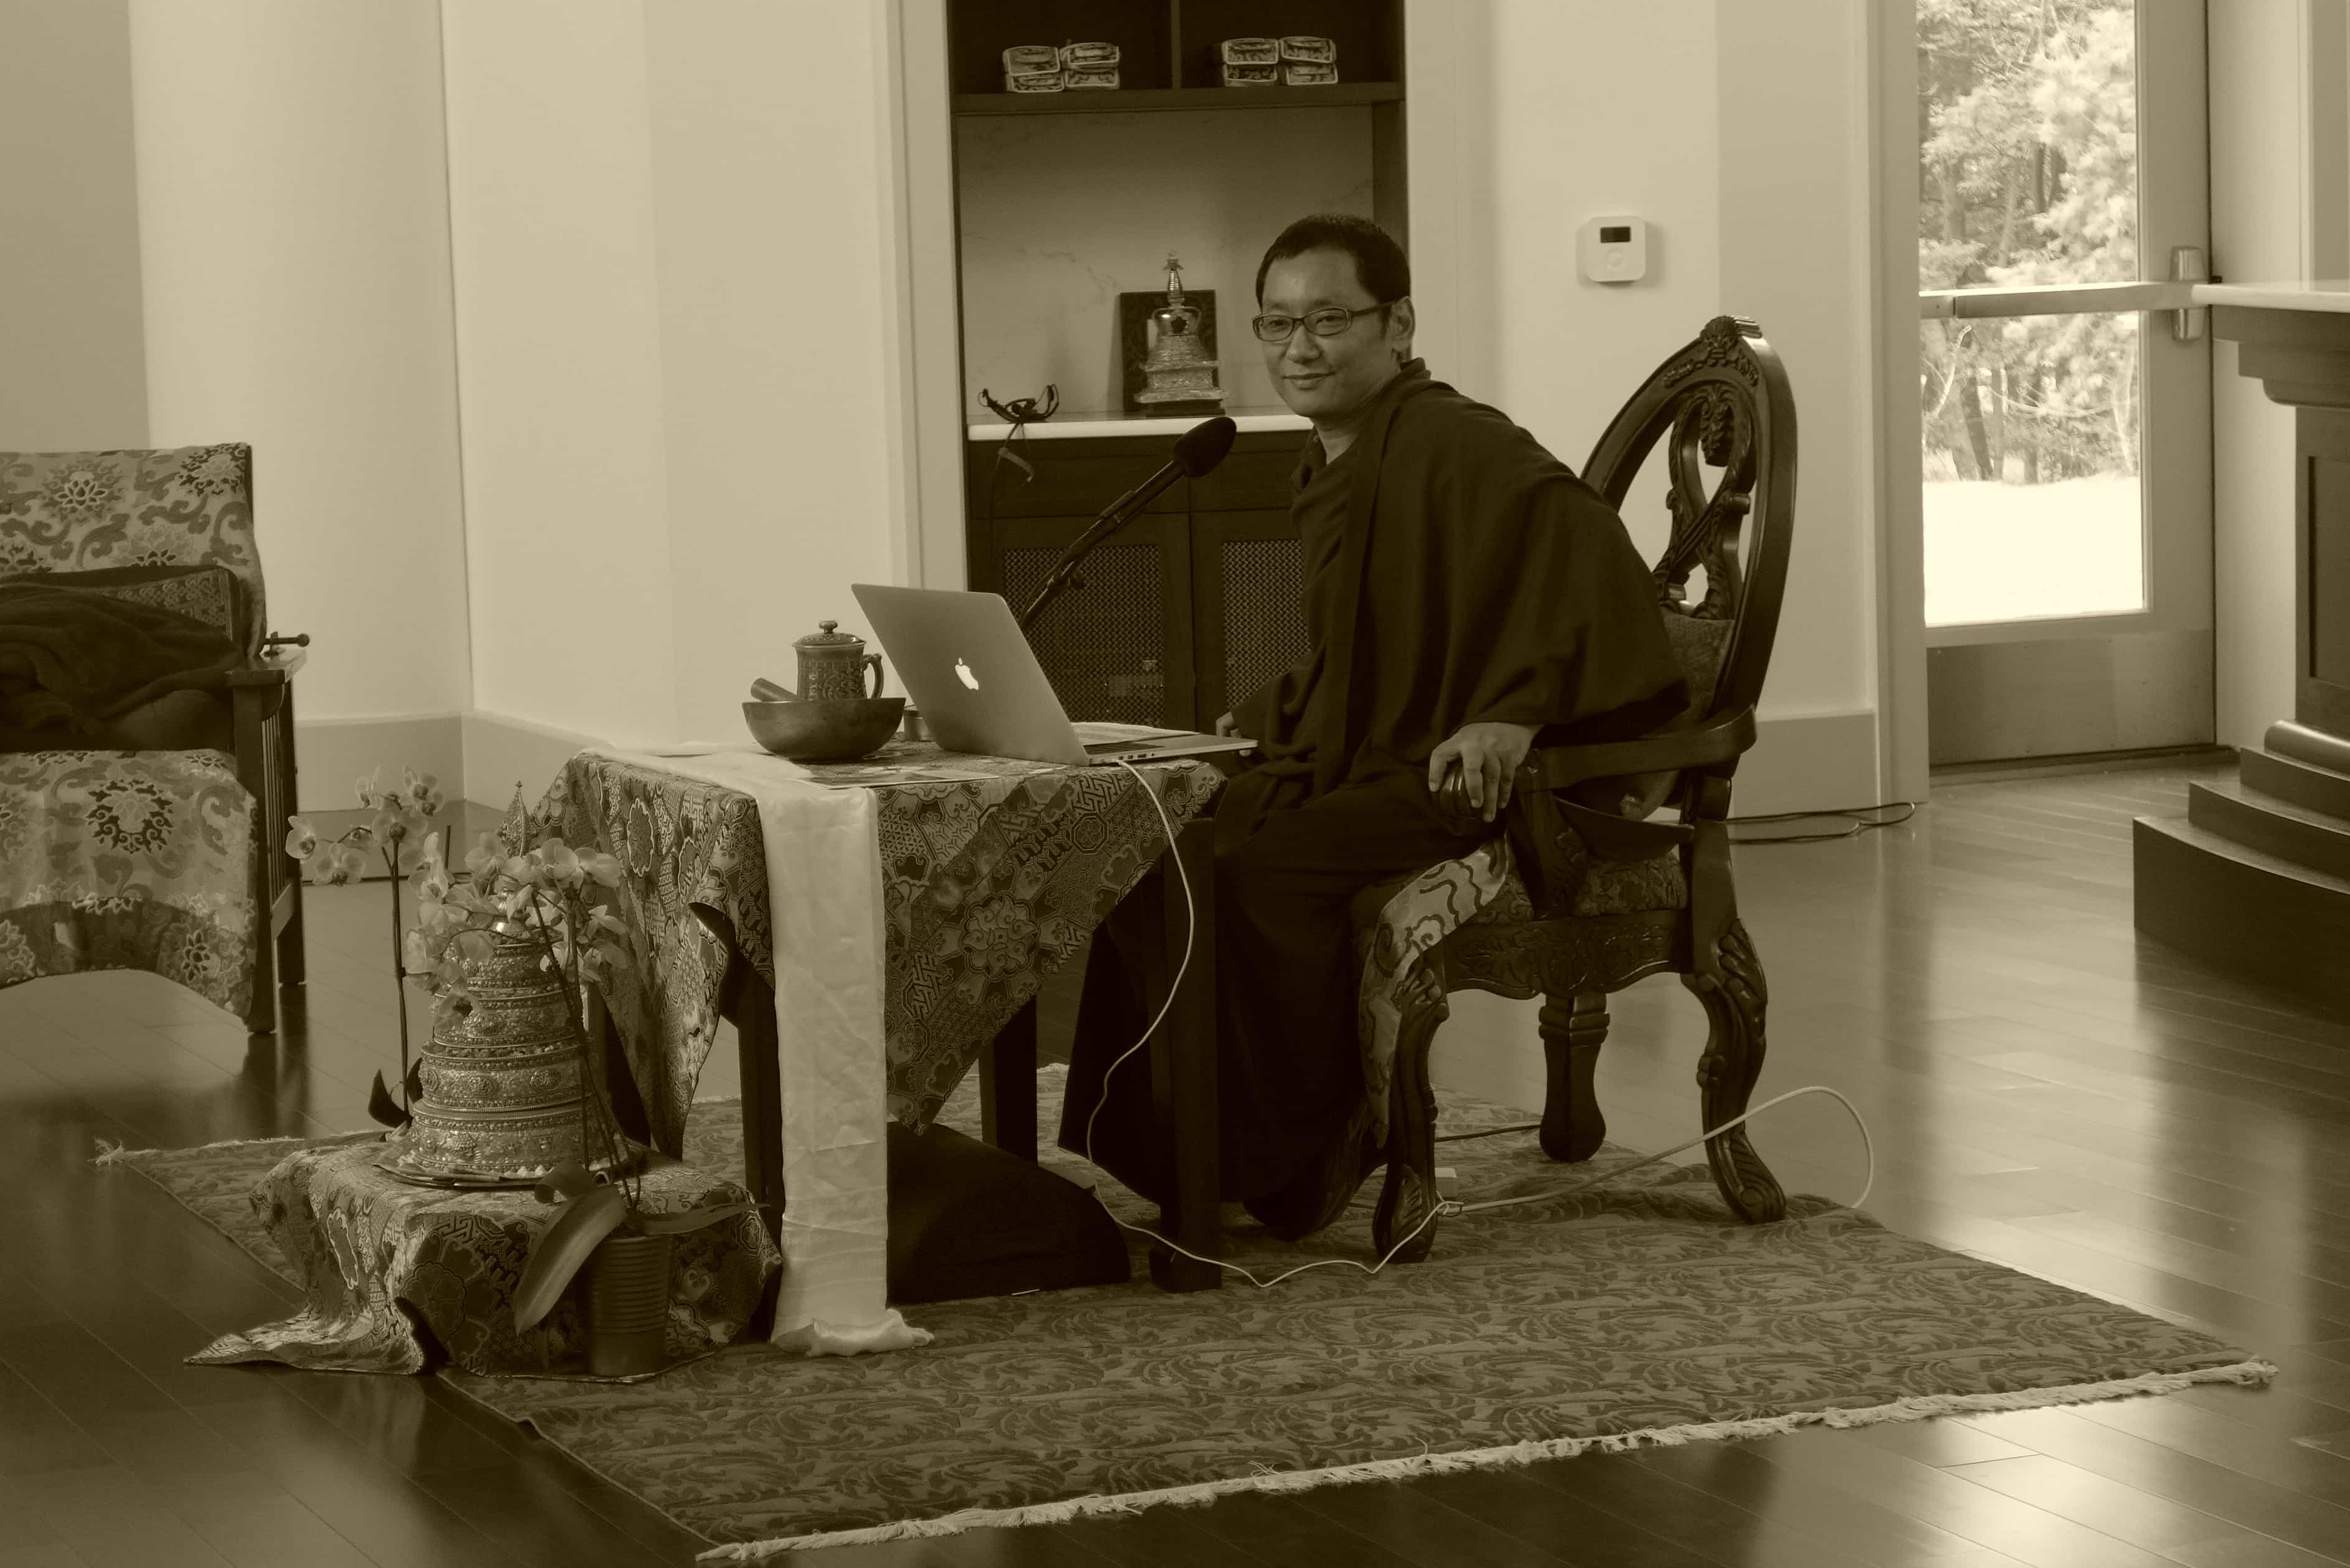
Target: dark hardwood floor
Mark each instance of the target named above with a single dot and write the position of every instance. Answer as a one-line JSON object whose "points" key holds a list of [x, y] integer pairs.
{"points": [[2045, 1090]]}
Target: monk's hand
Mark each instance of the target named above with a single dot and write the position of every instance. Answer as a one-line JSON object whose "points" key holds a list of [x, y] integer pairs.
{"points": [[1488, 755], [1227, 725]]}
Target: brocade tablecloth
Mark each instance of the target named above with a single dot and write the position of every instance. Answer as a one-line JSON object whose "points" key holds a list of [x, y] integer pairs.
{"points": [[372, 1250], [989, 881]]}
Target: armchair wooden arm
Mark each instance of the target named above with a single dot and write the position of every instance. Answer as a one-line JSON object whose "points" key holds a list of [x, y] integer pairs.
{"points": [[275, 668], [1722, 739], [1552, 836]]}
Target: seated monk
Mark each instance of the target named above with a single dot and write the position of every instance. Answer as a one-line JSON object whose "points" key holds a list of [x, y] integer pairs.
{"points": [[1464, 593]]}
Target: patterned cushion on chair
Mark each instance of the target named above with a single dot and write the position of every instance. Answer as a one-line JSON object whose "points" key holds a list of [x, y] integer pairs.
{"points": [[1609, 888], [1397, 920], [128, 860], [85, 511]]}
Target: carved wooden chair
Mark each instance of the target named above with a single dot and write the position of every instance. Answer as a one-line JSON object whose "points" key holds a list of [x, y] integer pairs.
{"points": [[166, 851], [1587, 893]]}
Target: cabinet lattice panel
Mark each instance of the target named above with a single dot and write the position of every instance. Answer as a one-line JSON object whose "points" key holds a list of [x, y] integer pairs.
{"points": [[1103, 645], [1265, 613]]}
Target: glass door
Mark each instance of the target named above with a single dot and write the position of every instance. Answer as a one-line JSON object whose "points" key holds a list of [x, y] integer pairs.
{"points": [[2064, 383]]}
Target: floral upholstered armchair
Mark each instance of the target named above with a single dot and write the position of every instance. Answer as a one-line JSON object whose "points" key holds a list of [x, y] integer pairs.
{"points": [[1586, 892], [155, 839]]}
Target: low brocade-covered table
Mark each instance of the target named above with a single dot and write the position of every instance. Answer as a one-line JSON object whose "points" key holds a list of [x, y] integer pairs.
{"points": [[371, 1250], [973, 877]]}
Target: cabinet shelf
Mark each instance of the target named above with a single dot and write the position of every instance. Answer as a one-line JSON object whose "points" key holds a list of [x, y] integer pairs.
{"points": [[1145, 100]]}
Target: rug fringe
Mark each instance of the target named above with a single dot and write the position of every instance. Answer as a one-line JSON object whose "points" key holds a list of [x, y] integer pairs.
{"points": [[117, 1154], [1916, 1408]]}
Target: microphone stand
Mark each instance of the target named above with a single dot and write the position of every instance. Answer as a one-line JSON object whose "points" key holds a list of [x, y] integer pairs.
{"points": [[1064, 574]]}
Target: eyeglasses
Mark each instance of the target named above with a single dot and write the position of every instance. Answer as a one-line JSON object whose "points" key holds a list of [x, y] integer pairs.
{"points": [[1327, 322]]}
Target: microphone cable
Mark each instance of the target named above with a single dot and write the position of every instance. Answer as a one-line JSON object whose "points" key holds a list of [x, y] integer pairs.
{"points": [[1448, 1206], [1857, 820]]}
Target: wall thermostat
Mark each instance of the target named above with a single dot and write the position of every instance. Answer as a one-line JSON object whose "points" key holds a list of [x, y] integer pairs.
{"points": [[1614, 250]]}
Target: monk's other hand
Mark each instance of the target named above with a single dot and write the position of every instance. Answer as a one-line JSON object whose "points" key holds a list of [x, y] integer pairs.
{"points": [[1488, 755], [1227, 725]]}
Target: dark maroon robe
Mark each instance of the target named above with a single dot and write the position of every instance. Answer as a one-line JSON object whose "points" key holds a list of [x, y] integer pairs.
{"points": [[1455, 573]]}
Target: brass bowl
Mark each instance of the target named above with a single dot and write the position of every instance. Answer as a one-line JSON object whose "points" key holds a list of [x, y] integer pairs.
{"points": [[835, 730]]}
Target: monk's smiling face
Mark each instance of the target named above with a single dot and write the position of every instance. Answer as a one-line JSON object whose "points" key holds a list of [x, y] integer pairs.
{"points": [[1330, 380]]}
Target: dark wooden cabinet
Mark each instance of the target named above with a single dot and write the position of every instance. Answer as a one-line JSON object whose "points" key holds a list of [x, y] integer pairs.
{"points": [[1190, 608]]}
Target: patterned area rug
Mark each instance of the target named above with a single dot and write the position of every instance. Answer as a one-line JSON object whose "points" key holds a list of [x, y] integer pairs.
{"points": [[1637, 1312]]}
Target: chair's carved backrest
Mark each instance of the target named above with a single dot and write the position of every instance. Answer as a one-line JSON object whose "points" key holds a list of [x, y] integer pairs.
{"points": [[84, 511], [1722, 403]]}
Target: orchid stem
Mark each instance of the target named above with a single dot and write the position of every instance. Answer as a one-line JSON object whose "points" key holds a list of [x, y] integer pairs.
{"points": [[399, 967]]}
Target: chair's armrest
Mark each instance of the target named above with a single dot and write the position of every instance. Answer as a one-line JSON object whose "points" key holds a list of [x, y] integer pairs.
{"points": [[1722, 740], [275, 668]]}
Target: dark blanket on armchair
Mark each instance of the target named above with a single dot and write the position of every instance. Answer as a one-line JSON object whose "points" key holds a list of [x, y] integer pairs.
{"points": [[81, 668]]}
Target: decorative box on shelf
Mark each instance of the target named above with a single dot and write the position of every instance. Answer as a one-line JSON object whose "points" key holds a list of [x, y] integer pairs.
{"points": [[1296, 59], [1041, 67]]}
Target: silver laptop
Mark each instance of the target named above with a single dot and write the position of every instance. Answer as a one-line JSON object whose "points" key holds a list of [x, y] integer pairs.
{"points": [[969, 673]]}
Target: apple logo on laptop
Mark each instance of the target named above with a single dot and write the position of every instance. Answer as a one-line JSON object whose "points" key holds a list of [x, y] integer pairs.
{"points": [[963, 674]]}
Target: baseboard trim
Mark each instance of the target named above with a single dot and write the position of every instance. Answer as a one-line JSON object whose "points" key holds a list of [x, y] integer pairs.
{"points": [[502, 753], [333, 755], [1809, 762]]}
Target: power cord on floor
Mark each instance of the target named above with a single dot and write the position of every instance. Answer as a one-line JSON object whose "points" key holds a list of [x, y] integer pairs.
{"points": [[1857, 820], [1191, 925]]}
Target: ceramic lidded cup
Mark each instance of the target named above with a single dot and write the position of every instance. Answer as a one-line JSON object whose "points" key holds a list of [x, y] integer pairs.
{"points": [[832, 665]]}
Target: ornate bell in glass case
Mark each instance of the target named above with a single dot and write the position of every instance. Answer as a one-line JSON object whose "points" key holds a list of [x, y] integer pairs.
{"points": [[1179, 365]]}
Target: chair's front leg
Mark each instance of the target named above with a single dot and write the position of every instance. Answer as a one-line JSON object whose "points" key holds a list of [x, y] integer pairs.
{"points": [[292, 962], [1572, 1126], [1735, 998], [1409, 1196], [248, 724]]}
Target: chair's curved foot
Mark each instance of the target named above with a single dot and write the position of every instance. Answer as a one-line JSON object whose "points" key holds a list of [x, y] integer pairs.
{"points": [[1735, 998], [1572, 1034], [1408, 1198], [1407, 1213]]}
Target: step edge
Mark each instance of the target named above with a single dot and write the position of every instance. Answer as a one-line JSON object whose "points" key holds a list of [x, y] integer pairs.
{"points": [[2193, 835], [2235, 792]]}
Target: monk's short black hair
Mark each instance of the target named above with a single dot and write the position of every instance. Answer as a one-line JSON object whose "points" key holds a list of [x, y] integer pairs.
{"points": [[1379, 262]]}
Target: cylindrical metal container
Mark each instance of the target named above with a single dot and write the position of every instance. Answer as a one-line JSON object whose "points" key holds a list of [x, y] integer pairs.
{"points": [[627, 1305]]}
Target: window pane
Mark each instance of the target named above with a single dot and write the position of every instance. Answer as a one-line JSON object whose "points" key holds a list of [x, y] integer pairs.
{"points": [[2032, 454], [2028, 142]]}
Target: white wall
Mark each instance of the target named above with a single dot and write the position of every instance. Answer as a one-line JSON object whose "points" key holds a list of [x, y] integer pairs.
{"points": [[778, 310], [1564, 352], [2258, 233], [71, 340], [1062, 212], [677, 333], [293, 242]]}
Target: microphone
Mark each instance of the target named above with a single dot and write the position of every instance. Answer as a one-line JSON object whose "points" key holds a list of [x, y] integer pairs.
{"points": [[1197, 452]]}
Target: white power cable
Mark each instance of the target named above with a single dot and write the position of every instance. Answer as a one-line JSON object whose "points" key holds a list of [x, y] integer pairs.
{"points": [[1191, 925]]}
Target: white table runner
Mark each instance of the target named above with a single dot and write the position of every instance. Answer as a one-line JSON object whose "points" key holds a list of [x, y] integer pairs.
{"points": [[824, 903]]}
